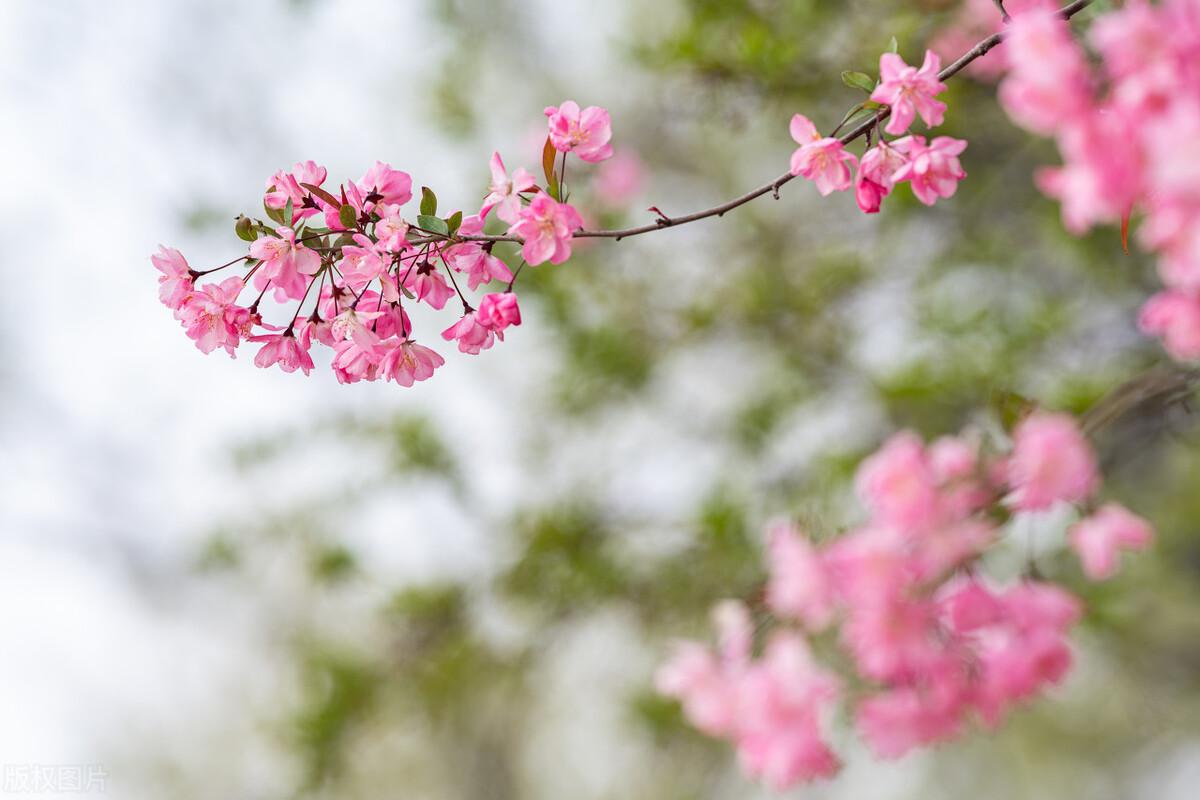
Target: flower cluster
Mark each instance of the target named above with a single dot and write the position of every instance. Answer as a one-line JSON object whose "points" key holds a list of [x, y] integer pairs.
{"points": [[933, 643], [350, 257], [931, 168], [1127, 130]]}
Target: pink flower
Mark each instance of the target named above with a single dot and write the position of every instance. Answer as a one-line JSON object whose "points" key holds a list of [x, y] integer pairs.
{"points": [[471, 334], [586, 133], [876, 176], [391, 230], [428, 285], [1051, 462], [546, 226], [900, 719], [1048, 84], [782, 700], [286, 264], [1099, 539], [897, 484], [505, 192], [212, 318], [285, 350], [824, 161], [933, 169], [910, 91], [800, 585], [498, 311], [407, 362], [285, 186], [363, 262], [175, 284], [392, 186], [619, 180], [1174, 316], [708, 685], [353, 361], [1100, 179], [476, 259]]}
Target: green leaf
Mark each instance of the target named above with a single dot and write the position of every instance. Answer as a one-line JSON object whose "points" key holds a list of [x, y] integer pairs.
{"points": [[428, 202], [276, 214], [348, 216], [244, 228], [289, 213], [454, 221], [548, 156], [894, 46], [433, 224], [858, 80]]}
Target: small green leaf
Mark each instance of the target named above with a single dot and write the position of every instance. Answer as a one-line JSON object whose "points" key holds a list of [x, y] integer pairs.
{"points": [[894, 46], [289, 213], [858, 80], [433, 224], [548, 156], [245, 229], [407, 294], [276, 214], [454, 221], [428, 202], [347, 216]]}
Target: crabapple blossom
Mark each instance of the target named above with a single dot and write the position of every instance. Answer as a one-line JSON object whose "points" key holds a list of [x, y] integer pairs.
{"points": [[471, 334], [285, 350], [505, 192], [877, 175], [932, 169], [284, 186], [585, 133], [910, 91], [498, 311], [406, 362], [212, 318], [286, 264], [1098, 539], [1175, 318], [546, 225], [822, 160], [176, 282], [1051, 462]]}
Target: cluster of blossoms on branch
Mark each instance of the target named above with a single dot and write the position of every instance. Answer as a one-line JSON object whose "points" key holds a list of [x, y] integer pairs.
{"points": [[931, 642], [931, 168], [357, 254], [1127, 129]]}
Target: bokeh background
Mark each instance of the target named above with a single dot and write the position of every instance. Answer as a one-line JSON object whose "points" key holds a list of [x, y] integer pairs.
{"points": [[219, 581]]}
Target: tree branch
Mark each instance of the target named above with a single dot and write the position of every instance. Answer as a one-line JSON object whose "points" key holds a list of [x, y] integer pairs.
{"points": [[978, 51]]}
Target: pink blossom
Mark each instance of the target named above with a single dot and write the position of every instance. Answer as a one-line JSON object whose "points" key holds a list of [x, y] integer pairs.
{"points": [[363, 262], [175, 284], [285, 350], [1099, 539], [1048, 84], [1100, 179], [498, 311], [391, 230], [353, 361], [619, 180], [782, 700], [933, 169], [286, 264], [1174, 316], [547, 227], [504, 194], [910, 91], [212, 318], [897, 484], [471, 334], [897, 720], [393, 186], [1051, 462], [407, 362], [800, 585], [475, 258], [585, 133], [876, 176], [824, 161], [428, 285], [284, 186]]}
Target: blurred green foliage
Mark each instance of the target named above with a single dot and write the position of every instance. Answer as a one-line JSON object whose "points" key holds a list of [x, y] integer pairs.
{"points": [[983, 305]]}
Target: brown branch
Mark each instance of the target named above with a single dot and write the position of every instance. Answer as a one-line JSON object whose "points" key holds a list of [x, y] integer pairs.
{"points": [[978, 51]]}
